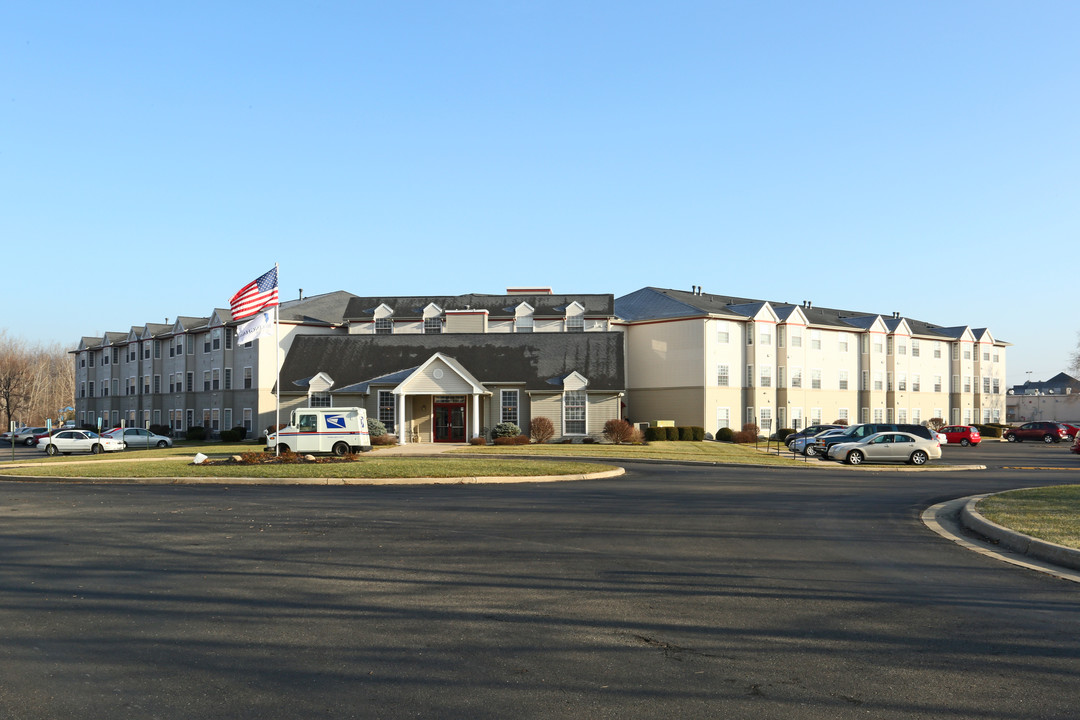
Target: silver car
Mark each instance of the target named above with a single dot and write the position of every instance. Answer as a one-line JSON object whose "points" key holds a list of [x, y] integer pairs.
{"points": [[806, 444], [136, 438], [890, 446]]}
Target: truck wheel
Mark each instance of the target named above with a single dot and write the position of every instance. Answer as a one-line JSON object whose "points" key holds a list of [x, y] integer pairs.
{"points": [[283, 448], [341, 449]]}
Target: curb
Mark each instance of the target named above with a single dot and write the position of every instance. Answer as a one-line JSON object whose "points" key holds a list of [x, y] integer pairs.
{"points": [[1018, 542], [467, 480]]}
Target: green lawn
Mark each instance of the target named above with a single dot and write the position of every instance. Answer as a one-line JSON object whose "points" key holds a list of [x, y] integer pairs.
{"points": [[1050, 513], [664, 450]]}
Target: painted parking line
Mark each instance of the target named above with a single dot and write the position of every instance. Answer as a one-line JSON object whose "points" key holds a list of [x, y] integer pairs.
{"points": [[1025, 467]]}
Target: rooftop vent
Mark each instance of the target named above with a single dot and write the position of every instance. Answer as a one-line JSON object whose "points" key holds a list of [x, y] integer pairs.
{"points": [[528, 291]]}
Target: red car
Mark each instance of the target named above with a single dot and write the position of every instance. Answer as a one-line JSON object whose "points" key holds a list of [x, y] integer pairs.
{"points": [[1072, 429], [961, 435], [1048, 432]]}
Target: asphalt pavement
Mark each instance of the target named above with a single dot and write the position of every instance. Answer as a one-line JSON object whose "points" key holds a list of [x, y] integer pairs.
{"points": [[682, 591]]}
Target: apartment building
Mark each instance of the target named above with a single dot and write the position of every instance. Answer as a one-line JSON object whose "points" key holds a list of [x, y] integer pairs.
{"points": [[719, 361], [191, 371], [434, 369]]}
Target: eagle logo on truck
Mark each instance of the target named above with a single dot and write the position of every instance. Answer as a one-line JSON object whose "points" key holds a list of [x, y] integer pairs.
{"points": [[335, 422]]}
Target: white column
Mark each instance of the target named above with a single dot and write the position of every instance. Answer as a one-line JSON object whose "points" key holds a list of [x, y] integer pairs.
{"points": [[475, 416], [399, 419]]}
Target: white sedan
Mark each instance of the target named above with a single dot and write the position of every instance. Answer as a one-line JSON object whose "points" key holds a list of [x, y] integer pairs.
{"points": [[136, 438], [69, 441], [887, 447]]}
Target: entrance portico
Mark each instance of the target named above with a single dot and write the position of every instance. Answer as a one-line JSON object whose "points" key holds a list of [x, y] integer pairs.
{"points": [[439, 401]]}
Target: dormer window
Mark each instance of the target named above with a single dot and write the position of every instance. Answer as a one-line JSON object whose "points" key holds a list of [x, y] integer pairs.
{"points": [[385, 326], [523, 318], [433, 325], [575, 323]]}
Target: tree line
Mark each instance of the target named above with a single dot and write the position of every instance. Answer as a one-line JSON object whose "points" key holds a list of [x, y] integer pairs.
{"points": [[36, 381]]}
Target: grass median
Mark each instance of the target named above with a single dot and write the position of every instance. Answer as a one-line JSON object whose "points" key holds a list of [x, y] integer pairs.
{"points": [[1049, 513], [660, 450], [176, 462]]}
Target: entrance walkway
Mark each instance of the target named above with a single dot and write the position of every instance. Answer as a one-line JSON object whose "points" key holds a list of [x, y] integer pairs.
{"points": [[413, 449]]}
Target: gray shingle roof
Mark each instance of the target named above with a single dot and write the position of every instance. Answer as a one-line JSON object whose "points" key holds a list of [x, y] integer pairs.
{"points": [[530, 358], [498, 306], [651, 303]]}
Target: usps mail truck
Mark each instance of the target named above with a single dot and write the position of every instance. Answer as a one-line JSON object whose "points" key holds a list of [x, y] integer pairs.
{"points": [[339, 430]]}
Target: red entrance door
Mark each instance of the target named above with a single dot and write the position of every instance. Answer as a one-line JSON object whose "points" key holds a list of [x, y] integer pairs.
{"points": [[449, 419]]}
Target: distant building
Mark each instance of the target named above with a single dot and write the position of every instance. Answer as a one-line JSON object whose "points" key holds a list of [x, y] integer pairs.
{"points": [[1056, 399]]}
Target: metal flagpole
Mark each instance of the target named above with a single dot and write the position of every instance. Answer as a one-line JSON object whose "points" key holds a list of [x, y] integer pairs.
{"points": [[277, 365]]}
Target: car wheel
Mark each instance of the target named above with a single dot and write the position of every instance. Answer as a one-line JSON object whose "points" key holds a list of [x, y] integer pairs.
{"points": [[341, 449], [1012, 438], [97, 449], [162, 443], [854, 458], [919, 457], [29, 442], [810, 451], [125, 444], [1048, 438], [965, 442], [51, 450]]}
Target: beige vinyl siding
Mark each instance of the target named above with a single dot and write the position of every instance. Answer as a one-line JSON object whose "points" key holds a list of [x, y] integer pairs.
{"points": [[599, 409], [549, 406], [466, 322]]}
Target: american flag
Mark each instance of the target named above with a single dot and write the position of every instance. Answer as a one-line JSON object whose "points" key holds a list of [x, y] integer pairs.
{"points": [[257, 295]]}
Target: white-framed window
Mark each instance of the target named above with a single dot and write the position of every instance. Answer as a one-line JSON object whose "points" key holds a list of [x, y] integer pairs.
{"points": [[226, 414], [889, 415], [780, 381], [796, 418], [508, 405], [937, 350], [215, 379], [157, 384], [888, 381], [864, 344], [967, 353], [967, 416], [796, 377], [815, 379], [878, 384], [967, 383], [206, 381], [842, 380], [842, 414], [986, 356], [749, 376], [890, 345], [815, 416], [215, 419], [247, 378], [574, 415], [815, 339], [937, 383], [864, 415], [722, 375], [986, 385], [901, 415], [914, 348], [723, 335], [780, 336], [997, 386], [575, 323], [319, 399], [191, 351], [247, 422], [766, 376], [228, 379], [433, 325], [205, 349], [215, 339], [878, 348], [901, 349], [842, 342], [764, 336], [916, 416], [228, 346], [915, 386], [751, 416], [901, 382], [386, 409], [997, 414], [384, 326], [523, 323], [765, 423], [879, 415], [723, 417], [796, 339]]}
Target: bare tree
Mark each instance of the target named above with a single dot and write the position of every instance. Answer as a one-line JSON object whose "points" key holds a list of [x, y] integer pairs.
{"points": [[15, 374], [36, 382]]}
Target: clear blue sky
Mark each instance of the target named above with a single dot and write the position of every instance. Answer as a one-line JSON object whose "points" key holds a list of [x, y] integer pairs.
{"points": [[919, 157]]}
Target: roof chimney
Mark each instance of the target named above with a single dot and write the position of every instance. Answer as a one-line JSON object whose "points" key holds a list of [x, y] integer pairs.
{"points": [[301, 293]]}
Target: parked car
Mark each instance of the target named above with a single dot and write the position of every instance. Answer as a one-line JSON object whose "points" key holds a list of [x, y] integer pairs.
{"points": [[808, 445], [1071, 429], [1048, 432], [808, 432], [858, 432], [69, 441], [25, 436], [887, 447], [964, 435], [138, 438]]}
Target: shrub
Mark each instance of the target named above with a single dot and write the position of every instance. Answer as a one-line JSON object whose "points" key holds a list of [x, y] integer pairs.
{"points": [[195, 432], [672, 433], [161, 430], [505, 429], [748, 434], [994, 431], [698, 433], [541, 430], [241, 432], [512, 440], [725, 434], [782, 433], [618, 431], [384, 439], [936, 424], [375, 428], [230, 436], [478, 440], [686, 433], [636, 436], [842, 422], [655, 434], [588, 440]]}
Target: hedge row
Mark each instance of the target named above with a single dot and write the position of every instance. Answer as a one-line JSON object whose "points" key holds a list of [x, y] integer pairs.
{"points": [[683, 432]]}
